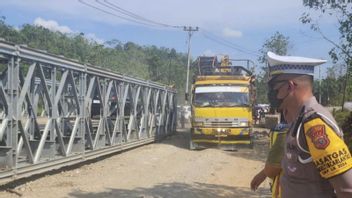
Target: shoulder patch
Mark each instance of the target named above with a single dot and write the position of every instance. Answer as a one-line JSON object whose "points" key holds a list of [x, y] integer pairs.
{"points": [[318, 136]]}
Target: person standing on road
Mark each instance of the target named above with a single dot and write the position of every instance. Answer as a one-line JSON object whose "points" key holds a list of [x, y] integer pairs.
{"points": [[272, 168], [256, 115], [316, 161], [182, 117]]}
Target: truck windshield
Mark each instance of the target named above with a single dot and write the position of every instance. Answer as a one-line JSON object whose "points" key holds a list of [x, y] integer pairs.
{"points": [[221, 96]]}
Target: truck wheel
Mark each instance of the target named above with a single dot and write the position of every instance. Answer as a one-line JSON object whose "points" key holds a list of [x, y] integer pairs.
{"points": [[251, 145], [192, 145]]}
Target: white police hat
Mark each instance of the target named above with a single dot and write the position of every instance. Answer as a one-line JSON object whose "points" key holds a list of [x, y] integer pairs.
{"points": [[291, 64]]}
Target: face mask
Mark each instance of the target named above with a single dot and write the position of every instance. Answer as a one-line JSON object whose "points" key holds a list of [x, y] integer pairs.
{"points": [[274, 102], [272, 96]]}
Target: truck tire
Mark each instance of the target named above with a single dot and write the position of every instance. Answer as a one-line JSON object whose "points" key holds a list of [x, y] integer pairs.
{"points": [[251, 144]]}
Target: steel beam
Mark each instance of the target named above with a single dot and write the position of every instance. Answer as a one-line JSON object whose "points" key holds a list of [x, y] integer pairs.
{"points": [[56, 112]]}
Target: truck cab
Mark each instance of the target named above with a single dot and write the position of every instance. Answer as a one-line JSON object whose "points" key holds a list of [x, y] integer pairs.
{"points": [[222, 102]]}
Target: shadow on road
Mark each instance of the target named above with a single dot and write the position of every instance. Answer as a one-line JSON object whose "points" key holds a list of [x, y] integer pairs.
{"points": [[180, 139], [177, 190], [259, 151]]}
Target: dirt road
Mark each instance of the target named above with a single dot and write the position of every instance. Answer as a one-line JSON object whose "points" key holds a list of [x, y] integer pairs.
{"points": [[161, 170]]}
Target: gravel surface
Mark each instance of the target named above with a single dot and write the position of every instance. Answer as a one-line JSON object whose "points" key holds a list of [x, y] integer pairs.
{"points": [[161, 170]]}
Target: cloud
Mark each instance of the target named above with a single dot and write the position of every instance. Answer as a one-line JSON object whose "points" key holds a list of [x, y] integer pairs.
{"points": [[224, 13], [17, 28], [227, 32], [92, 36], [208, 52], [243, 15], [52, 25]]}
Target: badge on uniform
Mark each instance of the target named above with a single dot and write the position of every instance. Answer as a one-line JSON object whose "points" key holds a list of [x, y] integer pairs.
{"points": [[318, 136]]}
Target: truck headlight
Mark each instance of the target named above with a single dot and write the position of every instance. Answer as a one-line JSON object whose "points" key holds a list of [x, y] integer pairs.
{"points": [[222, 130], [244, 123]]}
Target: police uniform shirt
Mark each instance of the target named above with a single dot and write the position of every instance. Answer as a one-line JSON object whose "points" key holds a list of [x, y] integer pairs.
{"points": [[313, 154]]}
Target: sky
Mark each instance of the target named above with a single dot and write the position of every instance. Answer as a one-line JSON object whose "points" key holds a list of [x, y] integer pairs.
{"points": [[243, 25]]}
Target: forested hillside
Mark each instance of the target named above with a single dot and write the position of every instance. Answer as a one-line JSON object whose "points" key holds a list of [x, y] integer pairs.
{"points": [[148, 62]]}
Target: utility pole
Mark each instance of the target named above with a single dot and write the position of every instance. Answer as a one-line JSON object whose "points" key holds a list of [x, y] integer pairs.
{"points": [[169, 77], [190, 31], [319, 86]]}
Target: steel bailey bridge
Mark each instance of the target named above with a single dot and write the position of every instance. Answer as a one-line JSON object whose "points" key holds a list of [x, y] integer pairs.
{"points": [[56, 112]]}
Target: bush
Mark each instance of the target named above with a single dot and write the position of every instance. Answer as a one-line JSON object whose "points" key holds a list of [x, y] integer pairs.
{"points": [[344, 120], [340, 116], [347, 130]]}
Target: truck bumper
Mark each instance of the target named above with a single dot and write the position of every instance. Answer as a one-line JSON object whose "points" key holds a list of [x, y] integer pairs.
{"points": [[216, 136]]}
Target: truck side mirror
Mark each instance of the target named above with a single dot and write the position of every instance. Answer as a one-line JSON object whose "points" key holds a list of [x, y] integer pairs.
{"points": [[186, 96]]}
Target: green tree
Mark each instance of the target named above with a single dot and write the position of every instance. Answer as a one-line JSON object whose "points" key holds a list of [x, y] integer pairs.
{"points": [[279, 44], [154, 68], [342, 50], [261, 87], [149, 62]]}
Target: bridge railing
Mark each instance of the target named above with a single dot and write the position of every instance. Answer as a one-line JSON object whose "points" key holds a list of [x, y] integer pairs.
{"points": [[55, 111]]}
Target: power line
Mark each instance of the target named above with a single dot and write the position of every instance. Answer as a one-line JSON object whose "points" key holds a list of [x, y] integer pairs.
{"points": [[122, 11], [227, 43], [118, 16], [133, 15]]}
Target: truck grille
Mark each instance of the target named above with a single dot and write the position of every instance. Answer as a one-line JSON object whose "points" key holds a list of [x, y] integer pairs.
{"points": [[221, 124]]}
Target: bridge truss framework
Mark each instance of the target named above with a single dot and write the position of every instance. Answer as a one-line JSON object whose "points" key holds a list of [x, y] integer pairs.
{"points": [[56, 112]]}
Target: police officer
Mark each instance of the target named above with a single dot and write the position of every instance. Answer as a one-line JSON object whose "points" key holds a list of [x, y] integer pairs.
{"points": [[316, 161]]}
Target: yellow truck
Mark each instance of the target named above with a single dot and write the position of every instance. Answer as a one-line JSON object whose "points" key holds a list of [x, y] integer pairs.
{"points": [[222, 100]]}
